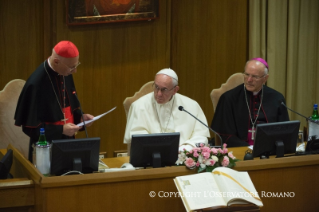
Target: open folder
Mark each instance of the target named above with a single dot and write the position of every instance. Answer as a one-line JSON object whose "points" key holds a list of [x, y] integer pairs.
{"points": [[96, 117]]}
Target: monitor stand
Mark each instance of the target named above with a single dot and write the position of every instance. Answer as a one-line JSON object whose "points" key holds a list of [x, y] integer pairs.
{"points": [[156, 156], [280, 149]]}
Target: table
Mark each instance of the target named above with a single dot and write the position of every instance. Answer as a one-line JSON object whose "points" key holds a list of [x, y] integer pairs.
{"points": [[130, 190]]}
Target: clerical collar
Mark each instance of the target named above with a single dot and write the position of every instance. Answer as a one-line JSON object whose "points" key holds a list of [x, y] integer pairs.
{"points": [[256, 93], [52, 67]]}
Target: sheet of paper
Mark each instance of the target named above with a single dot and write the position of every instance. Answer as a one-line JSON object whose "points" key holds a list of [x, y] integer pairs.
{"points": [[96, 117]]}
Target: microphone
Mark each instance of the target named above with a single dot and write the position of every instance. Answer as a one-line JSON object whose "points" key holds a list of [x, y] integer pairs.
{"points": [[74, 92], [181, 108], [308, 119]]}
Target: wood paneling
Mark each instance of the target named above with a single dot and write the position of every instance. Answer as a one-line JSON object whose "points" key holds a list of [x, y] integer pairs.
{"points": [[21, 39], [209, 40], [204, 41]]}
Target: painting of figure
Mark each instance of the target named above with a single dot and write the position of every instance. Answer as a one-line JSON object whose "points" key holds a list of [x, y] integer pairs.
{"points": [[106, 11]]}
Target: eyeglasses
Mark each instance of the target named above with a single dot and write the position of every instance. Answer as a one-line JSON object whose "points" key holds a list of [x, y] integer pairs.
{"points": [[71, 69], [163, 90], [253, 76]]}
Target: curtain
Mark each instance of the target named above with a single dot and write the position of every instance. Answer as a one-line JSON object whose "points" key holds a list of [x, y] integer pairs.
{"points": [[285, 33]]}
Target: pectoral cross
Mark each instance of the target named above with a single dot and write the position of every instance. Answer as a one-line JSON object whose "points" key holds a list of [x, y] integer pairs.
{"points": [[64, 119], [252, 132]]}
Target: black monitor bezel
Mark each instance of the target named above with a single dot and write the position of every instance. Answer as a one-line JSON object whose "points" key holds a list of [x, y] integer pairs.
{"points": [[61, 157], [143, 144], [265, 145]]}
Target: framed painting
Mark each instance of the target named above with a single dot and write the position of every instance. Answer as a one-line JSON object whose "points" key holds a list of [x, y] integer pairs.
{"points": [[80, 12]]}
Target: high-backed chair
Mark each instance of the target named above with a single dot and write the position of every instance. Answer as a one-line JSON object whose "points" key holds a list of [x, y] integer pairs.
{"points": [[9, 133], [233, 81], [145, 89]]}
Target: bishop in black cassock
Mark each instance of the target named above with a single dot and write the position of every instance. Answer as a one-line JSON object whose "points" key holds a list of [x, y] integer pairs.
{"points": [[232, 120], [47, 99]]}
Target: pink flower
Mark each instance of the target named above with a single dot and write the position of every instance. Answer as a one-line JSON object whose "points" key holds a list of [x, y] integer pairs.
{"points": [[197, 164], [206, 155], [206, 149], [224, 145], [195, 153], [189, 162], [214, 151], [225, 150], [212, 162], [230, 154], [225, 161]]}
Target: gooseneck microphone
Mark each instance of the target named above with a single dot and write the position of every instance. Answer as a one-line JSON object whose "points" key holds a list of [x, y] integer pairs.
{"points": [[308, 119], [74, 92], [181, 108]]}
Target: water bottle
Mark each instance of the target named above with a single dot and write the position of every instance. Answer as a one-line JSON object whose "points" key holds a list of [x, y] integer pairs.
{"points": [[313, 125], [315, 115], [42, 151]]}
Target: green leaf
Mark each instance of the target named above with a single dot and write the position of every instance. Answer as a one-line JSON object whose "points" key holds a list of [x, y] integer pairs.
{"points": [[210, 168]]}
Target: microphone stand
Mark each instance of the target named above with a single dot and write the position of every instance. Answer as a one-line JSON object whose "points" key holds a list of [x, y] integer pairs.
{"points": [[181, 108], [308, 119], [74, 92]]}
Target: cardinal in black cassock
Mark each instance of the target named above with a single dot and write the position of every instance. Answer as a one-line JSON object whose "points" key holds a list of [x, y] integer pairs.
{"points": [[48, 99], [240, 109]]}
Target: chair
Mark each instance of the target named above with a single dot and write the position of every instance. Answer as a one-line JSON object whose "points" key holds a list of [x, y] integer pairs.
{"points": [[233, 81], [9, 133], [145, 89]]}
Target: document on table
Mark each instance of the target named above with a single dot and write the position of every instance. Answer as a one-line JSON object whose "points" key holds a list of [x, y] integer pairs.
{"points": [[96, 117]]}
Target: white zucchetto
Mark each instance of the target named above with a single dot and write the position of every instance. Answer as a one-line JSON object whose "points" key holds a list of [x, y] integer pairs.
{"points": [[168, 72]]}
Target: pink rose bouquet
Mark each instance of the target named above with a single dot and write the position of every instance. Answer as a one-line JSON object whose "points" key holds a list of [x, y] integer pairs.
{"points": [[206, 159]]}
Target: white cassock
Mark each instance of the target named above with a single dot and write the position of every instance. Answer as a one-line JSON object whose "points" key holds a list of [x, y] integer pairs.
{"points": [[146, 116]]}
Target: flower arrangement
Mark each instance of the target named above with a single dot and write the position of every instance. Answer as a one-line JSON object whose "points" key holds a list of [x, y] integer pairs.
{"points": [[206, 158]]}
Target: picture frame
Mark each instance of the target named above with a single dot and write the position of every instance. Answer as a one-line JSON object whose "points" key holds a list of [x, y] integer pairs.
{"points": [[80, 12]]}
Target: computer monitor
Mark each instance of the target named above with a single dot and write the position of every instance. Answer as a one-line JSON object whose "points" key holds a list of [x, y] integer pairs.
{"points": [[276, 138], [75, 156], [157, 150], [5, 165]]}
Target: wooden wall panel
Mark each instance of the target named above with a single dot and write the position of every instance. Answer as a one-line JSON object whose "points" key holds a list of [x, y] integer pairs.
{"points": [[203, 41], [209, 43], [116, 60], [21, 39]]}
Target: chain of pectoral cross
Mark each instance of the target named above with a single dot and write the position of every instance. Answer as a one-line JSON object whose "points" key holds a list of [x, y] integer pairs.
{"points": [[62, 109], [253, 122]]}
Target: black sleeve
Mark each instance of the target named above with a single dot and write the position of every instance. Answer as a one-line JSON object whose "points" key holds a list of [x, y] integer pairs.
{"points": [[224, 123], [52, 132]]}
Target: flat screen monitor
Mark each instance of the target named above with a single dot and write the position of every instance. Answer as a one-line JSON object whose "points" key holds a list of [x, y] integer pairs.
{"points": [[75, 156], [157, 150], [5, 165], [276, 138]]}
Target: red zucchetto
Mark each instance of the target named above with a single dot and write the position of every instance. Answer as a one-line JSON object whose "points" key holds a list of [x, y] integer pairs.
{"points": [[66, 49]]}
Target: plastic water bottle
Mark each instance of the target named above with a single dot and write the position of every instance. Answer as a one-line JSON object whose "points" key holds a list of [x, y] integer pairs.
{"points": [[42, 151], [315, 115], [313, 124]]}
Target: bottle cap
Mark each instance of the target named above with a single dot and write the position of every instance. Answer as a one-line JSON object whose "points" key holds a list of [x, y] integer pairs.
{"points": [[315, 105], [41, 130]]}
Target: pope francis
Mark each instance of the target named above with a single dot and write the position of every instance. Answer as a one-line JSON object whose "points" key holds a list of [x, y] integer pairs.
{"points": [[158, 112]]}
